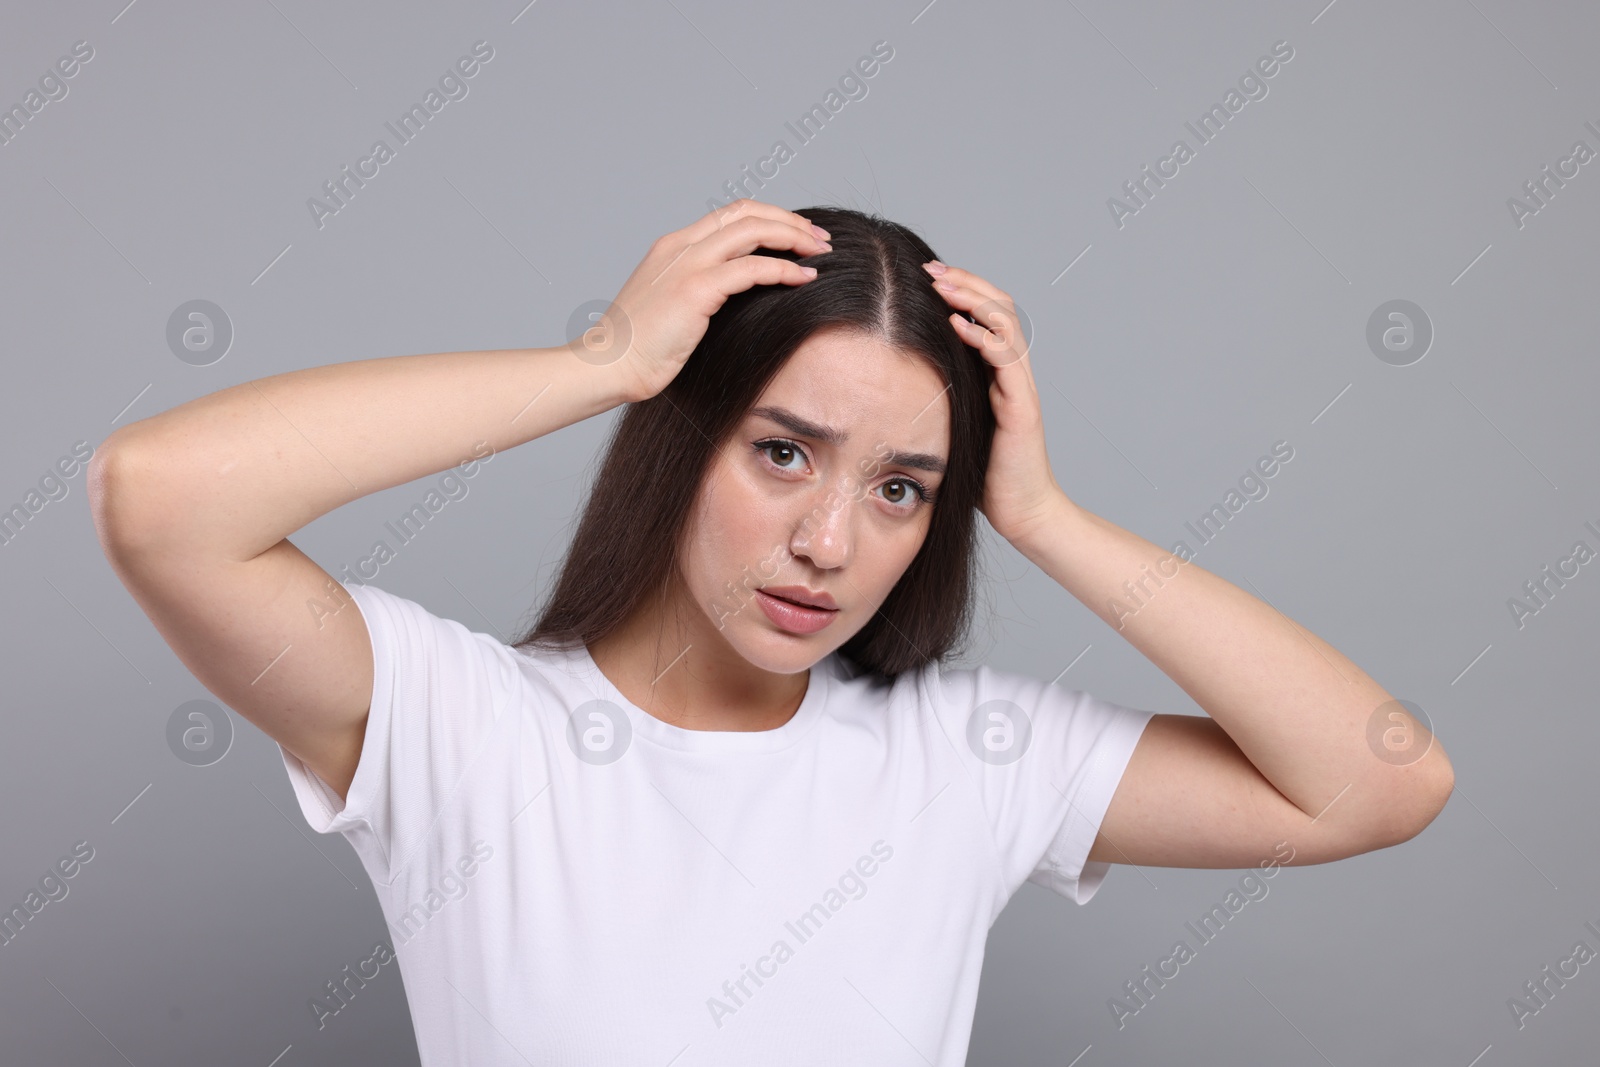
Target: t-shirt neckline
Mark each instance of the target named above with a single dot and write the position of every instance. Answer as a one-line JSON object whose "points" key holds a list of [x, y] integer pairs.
{"points": [[669, 736]]}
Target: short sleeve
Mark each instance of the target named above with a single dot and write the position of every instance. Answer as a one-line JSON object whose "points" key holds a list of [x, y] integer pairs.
{"points": [[1045, 762], [438, 689]]}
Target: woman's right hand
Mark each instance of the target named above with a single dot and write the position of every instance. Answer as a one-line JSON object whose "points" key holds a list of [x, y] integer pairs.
{"points": [[665, 306]]}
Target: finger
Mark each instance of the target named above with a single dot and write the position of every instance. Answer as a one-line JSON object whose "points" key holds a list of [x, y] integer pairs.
{"points": [[737, 239], [745, 236], [740, 274], [996, 347], [995, 330], [973, 281], [723, 217], [971, 332], [992, 311]]}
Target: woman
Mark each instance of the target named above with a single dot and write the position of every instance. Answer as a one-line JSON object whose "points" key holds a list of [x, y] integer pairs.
{"points": [[720, 805]]}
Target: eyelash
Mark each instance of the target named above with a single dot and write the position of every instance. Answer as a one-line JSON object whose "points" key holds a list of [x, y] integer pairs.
{"points": [[924, 494]]}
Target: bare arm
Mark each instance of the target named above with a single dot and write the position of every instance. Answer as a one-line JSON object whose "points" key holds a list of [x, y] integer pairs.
{"points": [[234, 472], [1285, 754], [193, 507]]}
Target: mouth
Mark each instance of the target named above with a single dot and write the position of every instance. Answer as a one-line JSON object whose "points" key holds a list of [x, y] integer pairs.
{"points": [[801, 597], [792, 616], [798, 603]]}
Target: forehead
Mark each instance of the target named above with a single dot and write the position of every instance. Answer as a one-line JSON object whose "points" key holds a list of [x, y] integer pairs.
{"points": [[856, 383]]}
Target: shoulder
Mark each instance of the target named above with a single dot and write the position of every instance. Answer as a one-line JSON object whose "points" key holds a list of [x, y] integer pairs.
{"points": [[418, 647], [963, 693], [958, 698]]}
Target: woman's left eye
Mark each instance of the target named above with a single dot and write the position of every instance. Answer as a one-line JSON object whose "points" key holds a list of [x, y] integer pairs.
{"points": [[910, 488]]}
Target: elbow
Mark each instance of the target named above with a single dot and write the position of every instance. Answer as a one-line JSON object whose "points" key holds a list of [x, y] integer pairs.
{"points": [[118, 501], [1429, 785], [1431, 806], [97, 480], [98, 483]]}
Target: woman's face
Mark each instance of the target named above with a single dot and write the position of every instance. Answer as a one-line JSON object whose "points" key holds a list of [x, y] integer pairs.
{"points": [[818, 488]]}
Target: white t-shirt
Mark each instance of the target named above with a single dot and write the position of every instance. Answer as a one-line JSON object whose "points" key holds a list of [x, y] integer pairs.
{"points": [[570, 880]]}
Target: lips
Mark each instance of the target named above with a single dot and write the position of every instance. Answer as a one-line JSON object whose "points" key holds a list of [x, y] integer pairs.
{"points": [[788, 616], [799, 594]]}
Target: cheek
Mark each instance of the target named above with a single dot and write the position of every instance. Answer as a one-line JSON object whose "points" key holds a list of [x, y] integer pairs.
{"points": [[736, 525], [897, 552]]}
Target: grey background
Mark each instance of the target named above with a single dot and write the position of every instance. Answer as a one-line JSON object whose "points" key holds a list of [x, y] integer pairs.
{"points": [[1228, 314]]}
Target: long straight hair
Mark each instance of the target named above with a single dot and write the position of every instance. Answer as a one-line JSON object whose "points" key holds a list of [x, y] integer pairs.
{"points": [[628, 542]]}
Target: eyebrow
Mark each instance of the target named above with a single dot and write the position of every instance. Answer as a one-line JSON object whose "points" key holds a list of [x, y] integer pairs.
{"points": [[828, 435]]}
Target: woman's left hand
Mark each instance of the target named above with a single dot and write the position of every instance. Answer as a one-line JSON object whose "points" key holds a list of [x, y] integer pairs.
{"points": [[1019, 490]]}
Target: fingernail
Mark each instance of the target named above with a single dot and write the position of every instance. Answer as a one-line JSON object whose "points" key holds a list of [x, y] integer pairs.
{"points": [[820, 232], [934, 267]]}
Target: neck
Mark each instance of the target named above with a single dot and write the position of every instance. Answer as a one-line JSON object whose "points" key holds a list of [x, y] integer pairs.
{"points": [[671, 662]]}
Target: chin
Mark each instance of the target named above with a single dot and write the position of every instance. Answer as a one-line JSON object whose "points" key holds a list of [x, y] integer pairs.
{"points": [[764, 646]]}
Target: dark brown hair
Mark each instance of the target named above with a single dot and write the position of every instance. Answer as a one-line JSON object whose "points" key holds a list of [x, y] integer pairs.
{"points": [[873, 282]]}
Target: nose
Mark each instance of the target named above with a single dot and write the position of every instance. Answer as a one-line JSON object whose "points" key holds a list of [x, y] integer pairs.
{"points": [[824, 533]]}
